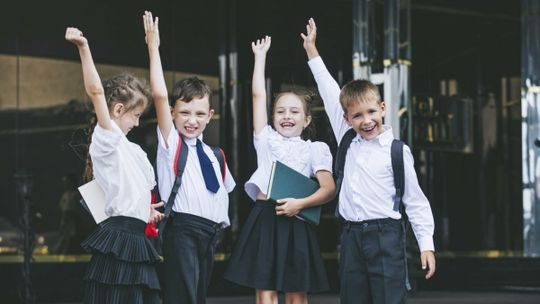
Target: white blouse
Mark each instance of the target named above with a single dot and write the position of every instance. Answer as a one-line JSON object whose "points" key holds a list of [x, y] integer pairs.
{"points": [[304, 156], [124, 173]]}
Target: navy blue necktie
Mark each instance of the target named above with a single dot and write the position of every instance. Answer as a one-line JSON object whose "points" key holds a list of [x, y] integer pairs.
{"points": [[207, 169]]}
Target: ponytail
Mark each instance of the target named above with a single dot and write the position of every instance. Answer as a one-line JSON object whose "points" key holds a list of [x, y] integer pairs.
{"points": [[308, 98], [88, 174]]}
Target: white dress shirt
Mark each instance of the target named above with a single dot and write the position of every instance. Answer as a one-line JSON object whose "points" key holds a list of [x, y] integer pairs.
{"points": [[368, 189], [124, 173], [193, 197], [304, 156]]}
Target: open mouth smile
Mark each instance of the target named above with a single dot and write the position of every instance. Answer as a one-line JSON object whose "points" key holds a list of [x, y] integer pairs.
{"points": [[368, 129]]}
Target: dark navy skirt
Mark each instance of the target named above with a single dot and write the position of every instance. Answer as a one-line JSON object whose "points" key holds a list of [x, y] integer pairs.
{"points": [[277, 253], [122, 268]]}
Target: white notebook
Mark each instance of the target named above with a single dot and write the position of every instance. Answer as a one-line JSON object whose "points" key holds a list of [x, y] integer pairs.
{"points": [[94, 197]]}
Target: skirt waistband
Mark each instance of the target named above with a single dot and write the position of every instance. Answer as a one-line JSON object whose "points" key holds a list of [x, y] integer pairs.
{"points": [[125, 223], [261, 203]]}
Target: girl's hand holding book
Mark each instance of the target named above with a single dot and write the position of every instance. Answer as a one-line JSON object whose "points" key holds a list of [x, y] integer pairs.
{"points": [[288, 206]]}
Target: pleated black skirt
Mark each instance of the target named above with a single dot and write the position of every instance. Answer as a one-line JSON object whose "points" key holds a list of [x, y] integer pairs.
{"points": [[277, 253], [122, 268]]}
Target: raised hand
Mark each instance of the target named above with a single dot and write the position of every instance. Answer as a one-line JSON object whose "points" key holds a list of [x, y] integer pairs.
{"points": [[75, 36], [309, 39], [261, 46], [151, 29], [258, 89]]}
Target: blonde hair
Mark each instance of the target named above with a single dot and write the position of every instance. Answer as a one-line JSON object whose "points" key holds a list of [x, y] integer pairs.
{"points": [[358, 91]]}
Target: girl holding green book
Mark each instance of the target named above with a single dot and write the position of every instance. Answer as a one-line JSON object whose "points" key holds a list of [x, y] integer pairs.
{"points": [[277, 251]]}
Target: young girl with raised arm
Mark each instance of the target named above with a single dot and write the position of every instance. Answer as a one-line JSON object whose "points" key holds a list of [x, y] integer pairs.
{"points": [[122, 267], [276, 251]]}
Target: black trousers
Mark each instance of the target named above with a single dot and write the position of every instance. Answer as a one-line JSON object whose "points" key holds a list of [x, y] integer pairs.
{"points": [[372, 262], [189, 243]]}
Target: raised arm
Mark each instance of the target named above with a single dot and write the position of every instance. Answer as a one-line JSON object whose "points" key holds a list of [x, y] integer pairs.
{"points": [[260, 118], [92, 82], [309, 39], [157, 80], [329, 89]]}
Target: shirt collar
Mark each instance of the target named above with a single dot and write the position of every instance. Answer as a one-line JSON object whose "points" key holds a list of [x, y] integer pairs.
{"points": [[193, 141], [295, 138], [383, 139]]}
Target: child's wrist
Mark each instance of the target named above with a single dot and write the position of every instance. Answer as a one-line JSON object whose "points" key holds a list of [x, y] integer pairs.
{"points": [[83, 46], [302, 204], [312, 52]]}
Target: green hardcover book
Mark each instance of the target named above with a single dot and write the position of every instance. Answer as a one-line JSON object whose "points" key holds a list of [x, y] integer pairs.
{"points": [[286, 182]]}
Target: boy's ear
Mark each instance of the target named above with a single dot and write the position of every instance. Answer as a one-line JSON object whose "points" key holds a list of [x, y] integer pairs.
{"points": [[383, 108], [210, 114], [346, 118]]}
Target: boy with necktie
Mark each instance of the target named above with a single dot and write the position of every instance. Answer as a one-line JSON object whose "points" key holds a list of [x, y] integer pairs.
{"points": [[200, 209]]}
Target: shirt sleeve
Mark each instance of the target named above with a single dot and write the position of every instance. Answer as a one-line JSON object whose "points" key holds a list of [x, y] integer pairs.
{"points": [[321, 157], [262, 136], [260, 139], [329, 91], [416, 205], [229, 182], [106, 141]]}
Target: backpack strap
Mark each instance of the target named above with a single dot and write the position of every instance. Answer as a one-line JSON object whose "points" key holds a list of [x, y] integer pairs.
{"points": [[339, 164], [220, 155], [396, 153], [179, 167], [341, 154]]}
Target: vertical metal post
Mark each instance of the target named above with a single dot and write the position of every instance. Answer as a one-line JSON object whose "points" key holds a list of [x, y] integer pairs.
{"points": [[363, 11], [404, 62], [391, 68], [530, 107], [397, 60], [223, 73], [230, 103], [23, 182]]}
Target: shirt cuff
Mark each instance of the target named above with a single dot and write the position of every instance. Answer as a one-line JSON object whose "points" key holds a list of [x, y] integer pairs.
{"points": [[426, 243], [316, 64]]}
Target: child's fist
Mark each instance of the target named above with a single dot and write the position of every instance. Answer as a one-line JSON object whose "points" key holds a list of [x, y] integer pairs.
{"points": [[75, 36]]}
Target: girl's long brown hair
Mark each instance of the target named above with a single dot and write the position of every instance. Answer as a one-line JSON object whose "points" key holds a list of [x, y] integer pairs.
{"points": [[121, 88]]}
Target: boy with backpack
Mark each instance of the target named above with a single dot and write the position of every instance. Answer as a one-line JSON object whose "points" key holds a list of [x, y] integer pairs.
{"points": [[192, 175], [371, 190]]}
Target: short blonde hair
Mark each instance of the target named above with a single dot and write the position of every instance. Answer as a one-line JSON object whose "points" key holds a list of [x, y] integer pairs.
{"points": [[358, 91]]}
